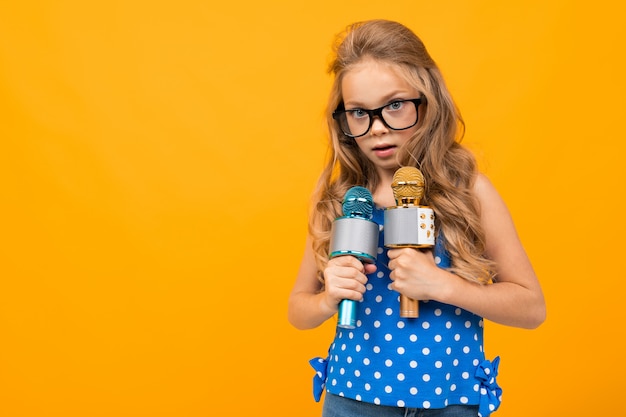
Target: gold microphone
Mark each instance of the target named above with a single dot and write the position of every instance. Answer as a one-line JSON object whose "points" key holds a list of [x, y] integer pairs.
{"points": [[409, 225]]}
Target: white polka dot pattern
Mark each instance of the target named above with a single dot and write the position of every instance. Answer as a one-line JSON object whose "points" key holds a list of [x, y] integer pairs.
{"points": [[427, 362]]}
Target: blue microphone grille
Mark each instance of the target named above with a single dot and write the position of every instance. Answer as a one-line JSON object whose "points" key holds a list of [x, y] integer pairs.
{"points": [[358, 202]]}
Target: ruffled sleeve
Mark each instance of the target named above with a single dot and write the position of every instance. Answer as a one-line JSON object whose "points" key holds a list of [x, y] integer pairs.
{"points": [[490, 391], [319, 380]]}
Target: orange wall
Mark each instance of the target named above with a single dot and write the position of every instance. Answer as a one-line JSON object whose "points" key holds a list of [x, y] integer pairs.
{"points": [[156, 162]]}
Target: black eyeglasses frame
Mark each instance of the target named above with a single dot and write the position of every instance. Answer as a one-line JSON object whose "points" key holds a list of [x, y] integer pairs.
{"points": [[378, 112]]}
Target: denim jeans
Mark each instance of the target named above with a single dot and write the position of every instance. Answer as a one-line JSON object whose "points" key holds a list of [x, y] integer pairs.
{"points": [[336, 406]]}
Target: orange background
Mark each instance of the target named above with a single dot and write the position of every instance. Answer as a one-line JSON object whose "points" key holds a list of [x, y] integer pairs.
{"points": [[156, 163]]}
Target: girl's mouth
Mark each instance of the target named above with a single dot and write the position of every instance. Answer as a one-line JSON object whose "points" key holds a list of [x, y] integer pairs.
{"points": [[384, 151]]}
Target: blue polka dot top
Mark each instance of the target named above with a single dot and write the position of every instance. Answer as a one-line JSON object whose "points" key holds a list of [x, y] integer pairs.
{"points": [[431, 361]]}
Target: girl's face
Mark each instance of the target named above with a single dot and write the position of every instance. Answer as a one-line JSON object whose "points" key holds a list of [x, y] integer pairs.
{"points": [[371, 85]]}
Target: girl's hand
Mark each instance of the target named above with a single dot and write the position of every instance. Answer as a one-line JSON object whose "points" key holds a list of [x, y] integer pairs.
{"points": [[344, 278], [414, 273]]}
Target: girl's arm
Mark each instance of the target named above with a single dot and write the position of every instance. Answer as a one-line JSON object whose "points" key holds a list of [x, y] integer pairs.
{"points": [[310, 302], [515, 299]]}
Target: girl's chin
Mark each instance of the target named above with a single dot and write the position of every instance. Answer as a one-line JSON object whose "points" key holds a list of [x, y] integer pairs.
{"points": [[388, 167]]}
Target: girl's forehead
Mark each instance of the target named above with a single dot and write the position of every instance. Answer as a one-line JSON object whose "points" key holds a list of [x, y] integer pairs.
{"points": [[371, 71], [371, 81]]}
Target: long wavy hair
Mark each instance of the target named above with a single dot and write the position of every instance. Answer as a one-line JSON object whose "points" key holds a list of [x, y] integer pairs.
{"points": [[449, 169]]}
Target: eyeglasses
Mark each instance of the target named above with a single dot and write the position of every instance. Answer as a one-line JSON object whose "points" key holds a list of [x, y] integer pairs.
{"points": [[397, 115]]}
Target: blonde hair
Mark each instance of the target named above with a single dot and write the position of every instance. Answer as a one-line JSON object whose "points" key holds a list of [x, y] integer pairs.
{"points": [[448, 168]]}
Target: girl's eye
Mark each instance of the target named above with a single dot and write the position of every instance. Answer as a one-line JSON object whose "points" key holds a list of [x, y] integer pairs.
{"points": [[395, 106], [358, 113]]}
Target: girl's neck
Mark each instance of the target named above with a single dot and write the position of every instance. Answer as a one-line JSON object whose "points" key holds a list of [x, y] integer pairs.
{"points": [[383, 194]]}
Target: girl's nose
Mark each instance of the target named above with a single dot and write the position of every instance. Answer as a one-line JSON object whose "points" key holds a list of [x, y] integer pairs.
{"points": [[378, 127]]}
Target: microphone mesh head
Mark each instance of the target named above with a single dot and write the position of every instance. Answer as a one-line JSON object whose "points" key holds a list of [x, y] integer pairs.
{"points": [[408, 185], [358, 202]]}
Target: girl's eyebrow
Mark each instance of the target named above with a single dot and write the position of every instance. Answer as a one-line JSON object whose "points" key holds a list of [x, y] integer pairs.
{"points": [[386, 99]]}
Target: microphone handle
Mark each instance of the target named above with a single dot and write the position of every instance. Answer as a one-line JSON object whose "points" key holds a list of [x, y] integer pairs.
{"points": [[346, 316], [409, 308], [347, 313]]}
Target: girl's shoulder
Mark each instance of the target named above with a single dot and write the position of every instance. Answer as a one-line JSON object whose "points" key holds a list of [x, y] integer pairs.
{"points": [[483, 188], [493, 208]]}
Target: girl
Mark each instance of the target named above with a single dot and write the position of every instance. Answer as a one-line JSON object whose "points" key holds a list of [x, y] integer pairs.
{"points": [[389, 107]]}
